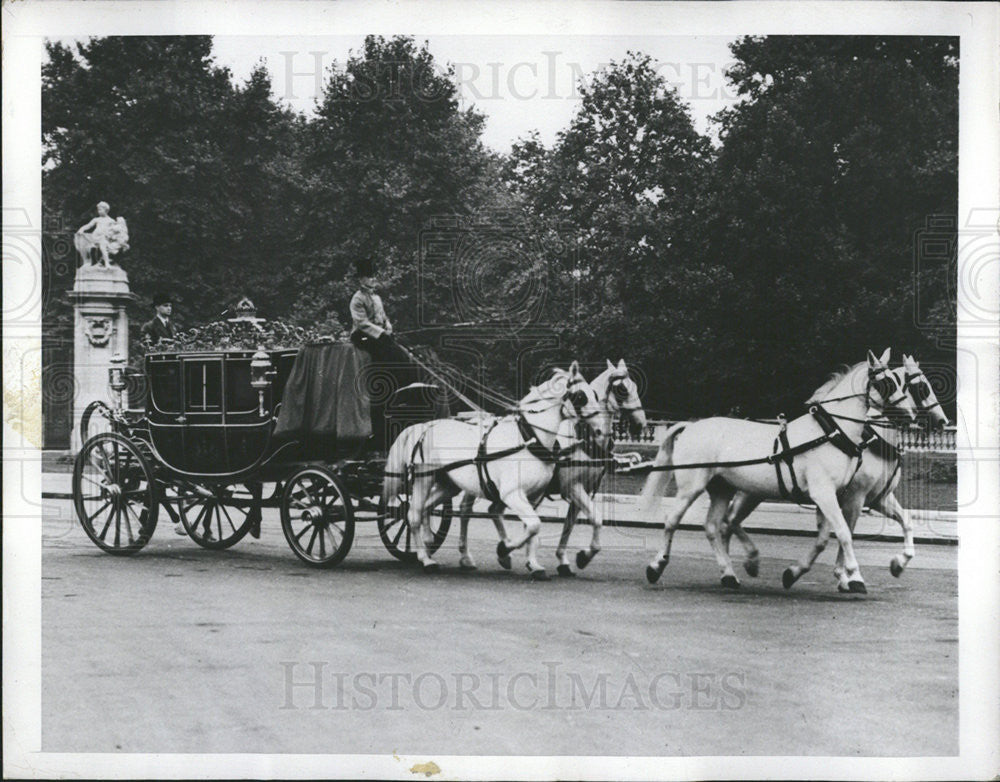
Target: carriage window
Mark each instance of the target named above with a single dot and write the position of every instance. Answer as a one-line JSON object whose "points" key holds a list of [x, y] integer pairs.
{"points": [[240, 395], [165, 386], [203, 385]]}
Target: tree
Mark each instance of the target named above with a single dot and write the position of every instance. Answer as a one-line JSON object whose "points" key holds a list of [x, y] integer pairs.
{"points": [[389, 149], [839, 150], [619, 186], [203, 170]]}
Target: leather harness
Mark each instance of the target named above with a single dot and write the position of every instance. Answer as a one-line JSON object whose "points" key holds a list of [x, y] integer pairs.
{"points": [[886, 451], [832, 433], [483, 458]]}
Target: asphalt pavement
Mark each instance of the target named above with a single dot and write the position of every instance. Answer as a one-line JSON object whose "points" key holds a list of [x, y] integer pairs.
{"points": [[178, 649]]}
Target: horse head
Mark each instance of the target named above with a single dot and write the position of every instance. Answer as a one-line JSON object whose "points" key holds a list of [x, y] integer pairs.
{"points": [[922, 394], [580, 401], [621, 395], [885, 394]]}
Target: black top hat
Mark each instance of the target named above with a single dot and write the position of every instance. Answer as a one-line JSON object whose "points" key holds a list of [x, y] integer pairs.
{"points": [[365, 267], [162, 298]]}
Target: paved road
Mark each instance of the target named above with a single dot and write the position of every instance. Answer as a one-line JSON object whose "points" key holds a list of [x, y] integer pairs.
{"points": [[184, 650]]}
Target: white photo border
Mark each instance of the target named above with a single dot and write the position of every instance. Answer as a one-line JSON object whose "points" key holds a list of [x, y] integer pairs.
{"points": [[27, 24]]}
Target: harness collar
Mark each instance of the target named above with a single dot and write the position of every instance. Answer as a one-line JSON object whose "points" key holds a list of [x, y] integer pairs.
{"points": [[879, 446], [837, 436], [531, 442]]}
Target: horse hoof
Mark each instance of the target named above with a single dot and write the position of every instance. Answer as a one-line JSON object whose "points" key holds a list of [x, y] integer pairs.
{"points": [[752, 567], [652, 574], [502, 551], [539, 575], [842, 587], [788, 578], [467, 567], [582, 559], [895, 567], [431, 567], [730, 582], [857, 587], [565, 571]]}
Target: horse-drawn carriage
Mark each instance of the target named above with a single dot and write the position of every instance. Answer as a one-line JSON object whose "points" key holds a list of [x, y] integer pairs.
{"points": [[227, 433]]}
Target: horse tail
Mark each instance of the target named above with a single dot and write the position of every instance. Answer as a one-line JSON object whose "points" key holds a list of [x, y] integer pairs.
{"points": [[396, 463], [657, 480]]}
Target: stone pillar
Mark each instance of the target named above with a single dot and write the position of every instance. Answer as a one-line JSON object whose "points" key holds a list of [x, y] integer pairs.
{"points": [[100, 330]]}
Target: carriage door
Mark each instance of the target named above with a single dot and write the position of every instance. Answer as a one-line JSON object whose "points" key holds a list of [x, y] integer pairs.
{"points": [[204, 435]]}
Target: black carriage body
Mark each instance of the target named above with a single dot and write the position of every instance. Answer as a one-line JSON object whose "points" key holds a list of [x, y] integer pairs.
{"points": [[203, 414], [208, 443]]}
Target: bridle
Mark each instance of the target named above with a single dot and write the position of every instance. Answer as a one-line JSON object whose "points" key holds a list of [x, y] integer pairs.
{"points": [[891, 392], [919, 388], [577, 399], [619, 392], [889, 388]]}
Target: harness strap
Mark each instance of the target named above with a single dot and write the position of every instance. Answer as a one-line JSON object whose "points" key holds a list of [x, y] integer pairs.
{"points": [[786, 454], [837, 436], [534, 447], [490, 490], [881, 447], [888, 485]]}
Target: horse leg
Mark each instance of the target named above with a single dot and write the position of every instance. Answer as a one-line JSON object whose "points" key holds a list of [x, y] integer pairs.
{"points": [[496, 515], [825, 498], [720, 494], [684, 500], [742, 506], [794, 573], [519, 504], [466, 562], [851, 510], [424, 495], [586, 502], [564, 568], [890, 506]]}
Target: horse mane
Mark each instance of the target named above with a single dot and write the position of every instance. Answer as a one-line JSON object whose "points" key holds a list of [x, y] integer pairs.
{"points": [[543, 390], [833, 381]]}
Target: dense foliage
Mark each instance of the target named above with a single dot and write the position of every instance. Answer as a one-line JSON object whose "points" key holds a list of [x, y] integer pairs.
{"points": [[731, 276]]}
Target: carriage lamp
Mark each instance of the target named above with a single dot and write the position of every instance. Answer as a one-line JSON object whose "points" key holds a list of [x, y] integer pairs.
{"points": [[116, 377], [261, 371]]}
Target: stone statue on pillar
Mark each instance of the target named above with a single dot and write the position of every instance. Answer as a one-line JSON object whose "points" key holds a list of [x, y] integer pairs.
{"points": [[100, 295], [103, 234]]}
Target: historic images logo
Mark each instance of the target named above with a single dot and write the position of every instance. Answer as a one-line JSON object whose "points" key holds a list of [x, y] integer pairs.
{"points": [[311, 685], [494, 271]]}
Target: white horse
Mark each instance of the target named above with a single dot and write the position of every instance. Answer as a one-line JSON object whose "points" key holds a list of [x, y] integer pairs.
{"points": [[576, 483], [508, 460], [824, 444], [878, 475]]}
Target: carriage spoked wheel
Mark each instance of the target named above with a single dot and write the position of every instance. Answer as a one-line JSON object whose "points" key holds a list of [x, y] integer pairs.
{"points": [[115, 494], [216, 516], [317, 517], [394, 527]]}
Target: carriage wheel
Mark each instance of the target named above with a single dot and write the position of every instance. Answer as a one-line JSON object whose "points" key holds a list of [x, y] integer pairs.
{"points": [[394, 528], [115, 494], [316, 517], [217, 517], [97, 418]]}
